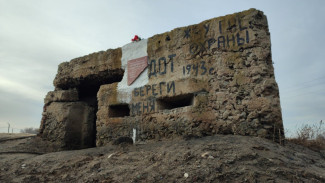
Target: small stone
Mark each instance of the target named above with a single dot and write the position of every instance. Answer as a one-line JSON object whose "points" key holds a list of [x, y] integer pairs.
{"points": [[225, 114], [262, 133], [185, 175], [207, 155], [109, 156], [243, 114], [204, 155]]}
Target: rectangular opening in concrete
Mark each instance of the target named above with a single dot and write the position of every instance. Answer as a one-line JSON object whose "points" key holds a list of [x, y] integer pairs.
{"points": [[175, 102], [87, 90], [120, 110]]}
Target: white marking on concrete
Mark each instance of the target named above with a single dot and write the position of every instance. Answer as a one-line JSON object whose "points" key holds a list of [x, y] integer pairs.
{"points": [[132, 51], [134, 135]]}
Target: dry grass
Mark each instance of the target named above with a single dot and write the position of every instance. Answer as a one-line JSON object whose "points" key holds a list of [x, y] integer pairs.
{"points": [[30, 130], [311, 136]]}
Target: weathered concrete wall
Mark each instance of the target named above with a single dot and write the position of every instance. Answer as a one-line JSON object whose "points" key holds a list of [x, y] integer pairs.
{"points": [[215, 77], [68, 124], [78, 81]]}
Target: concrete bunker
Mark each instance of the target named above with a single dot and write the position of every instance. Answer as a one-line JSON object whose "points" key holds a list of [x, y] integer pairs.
{"points": [[218, 74]]}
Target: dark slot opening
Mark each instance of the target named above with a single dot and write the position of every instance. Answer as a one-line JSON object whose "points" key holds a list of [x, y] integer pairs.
{"points": [[120, 110], [87, 90], [175, 102], [88, 94]]}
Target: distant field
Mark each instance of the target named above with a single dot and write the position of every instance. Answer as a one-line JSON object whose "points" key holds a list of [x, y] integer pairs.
{"points": [[8, 136]]}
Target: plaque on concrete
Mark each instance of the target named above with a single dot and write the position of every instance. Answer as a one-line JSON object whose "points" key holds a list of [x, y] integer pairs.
{"points": [[136, 67]]}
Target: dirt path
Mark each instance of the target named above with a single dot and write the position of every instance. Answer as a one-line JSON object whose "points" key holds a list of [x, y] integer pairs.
{"points": [[210, 159]]}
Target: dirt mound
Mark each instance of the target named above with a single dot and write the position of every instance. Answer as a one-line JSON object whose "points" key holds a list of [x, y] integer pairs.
{"points": [[209, 159]]}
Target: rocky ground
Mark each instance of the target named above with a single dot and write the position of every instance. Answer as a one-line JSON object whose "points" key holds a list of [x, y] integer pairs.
{"points": [[210, 159]]}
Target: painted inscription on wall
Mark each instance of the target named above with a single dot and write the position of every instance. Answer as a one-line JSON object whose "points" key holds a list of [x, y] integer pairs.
{"points": [[150, 92], [159, 67], [228, 34]]}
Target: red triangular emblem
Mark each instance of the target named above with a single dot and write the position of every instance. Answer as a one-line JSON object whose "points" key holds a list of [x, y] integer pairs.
{"points": [[136, 67]]}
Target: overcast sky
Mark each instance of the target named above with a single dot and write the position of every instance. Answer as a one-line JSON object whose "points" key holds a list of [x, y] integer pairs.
{"points": [[37, 35]]}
